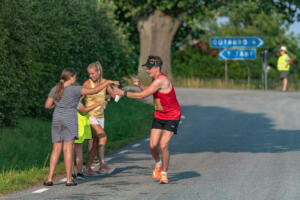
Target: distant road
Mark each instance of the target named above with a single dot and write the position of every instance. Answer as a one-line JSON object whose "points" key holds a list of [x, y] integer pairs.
{"points": [[231, 145]]}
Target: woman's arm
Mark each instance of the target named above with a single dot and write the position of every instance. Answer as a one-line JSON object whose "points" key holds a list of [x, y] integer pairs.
{"points": [[86, 91], [110, 91], [86, 109], [49, 104]]}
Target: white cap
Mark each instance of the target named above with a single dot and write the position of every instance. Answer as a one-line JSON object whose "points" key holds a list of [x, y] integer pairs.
{"points": [[283, 48]]}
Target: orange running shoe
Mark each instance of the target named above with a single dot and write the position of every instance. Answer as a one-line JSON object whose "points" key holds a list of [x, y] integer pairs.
{"points": [[156, 172], [164, 179]]}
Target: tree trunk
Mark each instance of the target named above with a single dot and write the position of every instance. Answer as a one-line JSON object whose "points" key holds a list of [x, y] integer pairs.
{"points": [[156, 34]]}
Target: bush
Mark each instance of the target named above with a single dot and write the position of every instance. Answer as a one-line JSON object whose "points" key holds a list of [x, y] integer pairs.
{"points": [[40, 38]]}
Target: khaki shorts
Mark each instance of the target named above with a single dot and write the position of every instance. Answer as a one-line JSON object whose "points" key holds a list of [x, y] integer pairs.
{"points": [[284, 74]]}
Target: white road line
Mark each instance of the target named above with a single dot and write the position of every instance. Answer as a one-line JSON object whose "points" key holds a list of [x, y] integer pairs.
{"points": [[180, 122], [136, 145], [40, 190], [147, 139], [107, 159], [182, 117], [124, 151]]}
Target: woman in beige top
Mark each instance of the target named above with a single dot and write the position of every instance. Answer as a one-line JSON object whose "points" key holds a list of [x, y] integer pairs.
{"points": [[64, 98], [97, 118]]}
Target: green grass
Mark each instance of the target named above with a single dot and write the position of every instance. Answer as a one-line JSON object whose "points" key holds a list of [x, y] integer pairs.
{"points": [[25, 150]]}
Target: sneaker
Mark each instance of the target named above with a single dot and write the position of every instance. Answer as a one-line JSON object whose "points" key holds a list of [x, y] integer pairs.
{"points": [[81, 176], [106, 170], [283, 90], [163, 179], [89, 172], [156, 172], [95, 161]]}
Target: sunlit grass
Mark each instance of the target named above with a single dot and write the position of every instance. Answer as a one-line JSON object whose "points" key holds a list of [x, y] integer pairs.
{"points": [[232, 84], [25, 150]]}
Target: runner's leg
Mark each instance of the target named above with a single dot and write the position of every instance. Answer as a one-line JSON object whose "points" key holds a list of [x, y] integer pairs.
{"points": [[154, 140], [164, 143]]}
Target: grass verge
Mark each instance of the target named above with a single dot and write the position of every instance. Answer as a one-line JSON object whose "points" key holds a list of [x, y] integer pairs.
{"points": [[293, 85], [25, 150]]}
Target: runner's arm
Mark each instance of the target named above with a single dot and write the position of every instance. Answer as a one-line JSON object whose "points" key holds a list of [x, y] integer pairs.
{"points": [[143, 87], [138, 83], [155, 86]]}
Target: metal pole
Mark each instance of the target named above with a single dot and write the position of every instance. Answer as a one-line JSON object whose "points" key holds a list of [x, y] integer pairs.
{"points": [[262, 70], [265, 69], [248, 65], [226, 72]]}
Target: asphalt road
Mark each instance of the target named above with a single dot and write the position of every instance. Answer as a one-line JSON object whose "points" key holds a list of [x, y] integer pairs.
{"points": [[231, 144]]}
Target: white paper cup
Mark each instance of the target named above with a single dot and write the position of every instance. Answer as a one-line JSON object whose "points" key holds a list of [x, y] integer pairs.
{"points": [[117, 98]]}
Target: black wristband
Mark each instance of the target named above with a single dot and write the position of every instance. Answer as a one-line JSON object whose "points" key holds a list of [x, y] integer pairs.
{"points": [[125, 93]]}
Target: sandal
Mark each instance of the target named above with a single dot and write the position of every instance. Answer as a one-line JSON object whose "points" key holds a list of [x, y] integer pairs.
{"points": [[71, 184], [50, 183]]}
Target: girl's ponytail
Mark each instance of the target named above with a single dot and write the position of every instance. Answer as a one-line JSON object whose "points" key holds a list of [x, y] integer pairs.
{"points": [[59, 90], [66, 74]]}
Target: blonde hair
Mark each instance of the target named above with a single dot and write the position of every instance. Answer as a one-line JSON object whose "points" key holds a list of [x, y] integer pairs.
{"points": [[66, 74], [97, 67]]}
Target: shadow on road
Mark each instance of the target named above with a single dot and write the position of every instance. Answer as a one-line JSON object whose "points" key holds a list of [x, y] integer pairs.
{"points": [[216, 129], [175, 177]]}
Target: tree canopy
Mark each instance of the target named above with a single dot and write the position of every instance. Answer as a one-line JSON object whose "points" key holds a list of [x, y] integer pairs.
{"points": [[193, 16]]}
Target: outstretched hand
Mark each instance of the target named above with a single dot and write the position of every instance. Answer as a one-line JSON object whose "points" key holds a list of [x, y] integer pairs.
{"points": [[113, 82], [118, 91], [136, 81]]}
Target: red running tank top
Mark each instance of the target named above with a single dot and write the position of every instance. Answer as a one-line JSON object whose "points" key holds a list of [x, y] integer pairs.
{"points": [[166, 105]]}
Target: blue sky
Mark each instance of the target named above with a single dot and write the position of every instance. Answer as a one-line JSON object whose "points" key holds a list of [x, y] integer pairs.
{"points": [[295, 27]]}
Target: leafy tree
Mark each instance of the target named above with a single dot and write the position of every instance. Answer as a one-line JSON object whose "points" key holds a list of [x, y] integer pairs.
{"points": [[158, 21], [38, 38], [255, 20]]}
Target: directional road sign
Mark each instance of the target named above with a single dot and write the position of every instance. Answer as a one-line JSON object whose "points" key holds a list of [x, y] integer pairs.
{"points": [[232, 42], [237, 54]]}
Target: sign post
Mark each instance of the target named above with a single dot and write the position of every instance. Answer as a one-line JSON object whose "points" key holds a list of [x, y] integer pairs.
{"points": [[237, 54], [237, 42], [237, 48]]}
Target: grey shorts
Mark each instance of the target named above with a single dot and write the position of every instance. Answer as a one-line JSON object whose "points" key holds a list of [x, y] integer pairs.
{"points": [[284, 74]]}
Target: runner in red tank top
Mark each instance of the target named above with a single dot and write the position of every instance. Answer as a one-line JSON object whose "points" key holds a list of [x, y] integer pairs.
{"points": [[166, 104], [166, 117]]}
